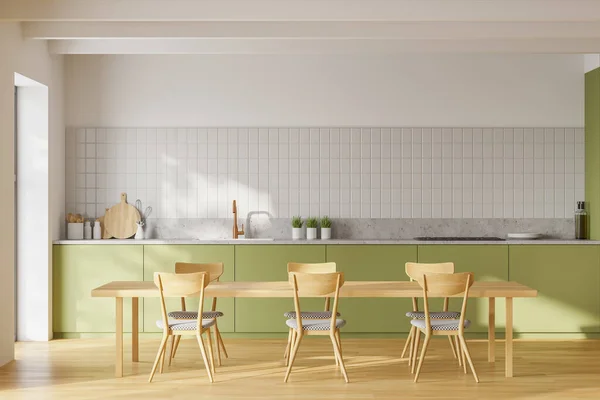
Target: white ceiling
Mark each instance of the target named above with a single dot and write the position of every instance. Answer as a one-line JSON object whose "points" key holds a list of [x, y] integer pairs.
{"points": [[308, 26]]}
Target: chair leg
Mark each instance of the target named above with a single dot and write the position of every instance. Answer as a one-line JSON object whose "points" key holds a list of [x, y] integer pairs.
{"points": [[452, 346], [468, 354], [335, 357], [177, 340], [221, 342], [210, 351], [292, 344], [286, 353], [459, 354], [415, 350], [294, 351], [411, 348], [203, 351], [339, 343], [162, 358], [462, 354], [423, 352], [217, 346], [338, 352], [339, 340], [408, 341], [335, 354], [163, 344], [172, 352]]}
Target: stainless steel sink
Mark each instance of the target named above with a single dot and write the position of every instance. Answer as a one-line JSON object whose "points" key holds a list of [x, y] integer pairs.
{"points": [[254, 239], [458, 238]]}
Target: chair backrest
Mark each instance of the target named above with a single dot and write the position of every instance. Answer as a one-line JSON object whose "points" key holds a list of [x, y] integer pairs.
{"points": [[416, 270], [214, 270], [446, 285], [180, 285], [316, 284], [313, 268]]}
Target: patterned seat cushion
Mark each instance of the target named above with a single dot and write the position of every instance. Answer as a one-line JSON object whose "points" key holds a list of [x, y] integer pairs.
{"points": [[434, 315], [310, 314], [315, 324], [440, 324], [194, 314], [179, 325]]}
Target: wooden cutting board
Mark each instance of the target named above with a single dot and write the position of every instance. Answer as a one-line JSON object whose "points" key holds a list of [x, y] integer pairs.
{"points": [[103, 235], [120, 220]]}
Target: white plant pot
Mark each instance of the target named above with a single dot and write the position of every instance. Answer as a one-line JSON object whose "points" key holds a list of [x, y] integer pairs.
{"points": [[297, 234], [311, 233], [325, 233]]}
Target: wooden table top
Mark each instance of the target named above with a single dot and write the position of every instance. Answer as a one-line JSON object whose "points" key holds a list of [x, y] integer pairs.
{"points": [[283, 289]]}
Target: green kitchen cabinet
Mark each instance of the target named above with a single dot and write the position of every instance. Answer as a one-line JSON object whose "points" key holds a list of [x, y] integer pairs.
{"points": [[373, 263], [487, 262], [592, 150], [162, 258], [269, 263], [76, 270], [567, 278]]}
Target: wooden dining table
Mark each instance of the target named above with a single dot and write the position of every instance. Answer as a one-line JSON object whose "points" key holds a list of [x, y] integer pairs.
{"points": [[366, 289]]}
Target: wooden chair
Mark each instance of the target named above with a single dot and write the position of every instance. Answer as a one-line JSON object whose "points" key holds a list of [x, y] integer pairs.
{"points": [[312, 285], [444, 285], [414, 271], [326, 314], [214, 270], [179, 285]]}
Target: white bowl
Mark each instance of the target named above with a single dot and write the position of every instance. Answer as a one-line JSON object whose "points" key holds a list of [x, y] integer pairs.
{"points": [[524, 236]]}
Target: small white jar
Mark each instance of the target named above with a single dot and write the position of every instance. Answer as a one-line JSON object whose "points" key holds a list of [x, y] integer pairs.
{"points": [[97, 233], [87, 230]]}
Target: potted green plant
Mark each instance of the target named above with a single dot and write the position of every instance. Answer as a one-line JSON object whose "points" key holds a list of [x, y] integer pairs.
{"points": [[311, 228], [325, 228], [297, 228]]}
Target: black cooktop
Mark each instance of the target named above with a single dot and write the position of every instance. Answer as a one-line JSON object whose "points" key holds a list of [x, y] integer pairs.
{"points": [[457, 238]]}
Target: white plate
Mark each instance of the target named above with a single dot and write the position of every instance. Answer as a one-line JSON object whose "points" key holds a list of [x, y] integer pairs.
{"points": [[524, 236]]}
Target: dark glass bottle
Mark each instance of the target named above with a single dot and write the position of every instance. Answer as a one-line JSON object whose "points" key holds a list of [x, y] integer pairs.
{"points": [[581, 221]]}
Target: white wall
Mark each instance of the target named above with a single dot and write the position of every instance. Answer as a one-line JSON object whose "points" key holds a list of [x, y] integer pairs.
{"points": [[591, 62], [425, 90], [31, 59], [33, 280]]}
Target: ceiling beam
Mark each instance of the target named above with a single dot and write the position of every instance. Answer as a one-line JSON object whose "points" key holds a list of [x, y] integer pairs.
{"points": [[321, 47], [300, 10], [314, 30]]}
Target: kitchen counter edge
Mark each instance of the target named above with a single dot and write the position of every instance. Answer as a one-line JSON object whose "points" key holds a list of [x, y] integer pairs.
{"points": [[317, 242]]}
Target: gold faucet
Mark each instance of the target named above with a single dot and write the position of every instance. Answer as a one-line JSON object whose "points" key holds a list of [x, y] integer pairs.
{"points": [[236, 231]]}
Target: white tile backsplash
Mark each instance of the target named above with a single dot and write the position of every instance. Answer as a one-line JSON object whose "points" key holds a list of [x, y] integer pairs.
{"points": [[343, 172]]}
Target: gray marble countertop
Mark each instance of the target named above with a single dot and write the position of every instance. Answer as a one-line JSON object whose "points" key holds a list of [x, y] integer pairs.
{"points": [[318, 241]]}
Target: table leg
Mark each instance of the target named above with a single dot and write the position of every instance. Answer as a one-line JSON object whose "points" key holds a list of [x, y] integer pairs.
{"points": [[509, 337], [135, 347], [119, 338], [492, 330]]}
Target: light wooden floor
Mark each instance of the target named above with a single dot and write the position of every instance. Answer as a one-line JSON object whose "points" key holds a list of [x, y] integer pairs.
{"points": [[83, 369]]}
